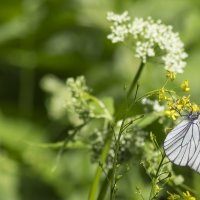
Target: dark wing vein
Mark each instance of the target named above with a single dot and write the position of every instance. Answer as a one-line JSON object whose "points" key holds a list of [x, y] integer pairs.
{"points": [[194, 161], [180, 145]]}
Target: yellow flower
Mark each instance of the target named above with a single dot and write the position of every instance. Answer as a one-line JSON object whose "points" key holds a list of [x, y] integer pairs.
{"points": [[185, 86], [179, 105], [170, 102], [173, 196], [157, 188], [172, 113], [195, 107], [188, 196], [162, 95], [183, 102], [171, 75]]}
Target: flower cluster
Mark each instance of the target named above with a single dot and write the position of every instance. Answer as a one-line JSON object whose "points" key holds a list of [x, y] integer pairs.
{"points": [[73, 100], [120, 29], [59, 94], [154, 104], [185, 86], [176, 105], [131, 144], [173, 196], [148, 36], [78, 92], [170, 75], [188, 196], [185, 196]]}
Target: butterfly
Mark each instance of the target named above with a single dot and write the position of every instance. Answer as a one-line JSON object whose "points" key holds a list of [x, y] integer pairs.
{"points": [[182, 144]]}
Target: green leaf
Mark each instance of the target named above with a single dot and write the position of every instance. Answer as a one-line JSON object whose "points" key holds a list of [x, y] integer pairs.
{"points": [[109, 103], [148, 119]]}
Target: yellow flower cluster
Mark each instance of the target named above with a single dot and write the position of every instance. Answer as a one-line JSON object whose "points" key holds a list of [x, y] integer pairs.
{"points": [[180, 105], [175, 105], [183, 102], [173, 196], [186, 196], [171, 75], [172, 113], [162, 95], [185, 86]]}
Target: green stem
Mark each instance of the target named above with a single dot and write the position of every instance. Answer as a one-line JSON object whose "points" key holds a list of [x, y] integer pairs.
{"points": [[66, 140], [122, 128], [154, 181], [161, 162], [105, 185], [113, 175], [95, 183], [135, 80]]}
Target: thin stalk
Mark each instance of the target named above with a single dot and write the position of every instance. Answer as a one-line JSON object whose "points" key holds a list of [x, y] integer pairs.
{"points": [[95, 183], [122, 128], [105, 185], [154, 181], [135, 80], [104, 154], [161, 162], [113, 177], [66, 140]]}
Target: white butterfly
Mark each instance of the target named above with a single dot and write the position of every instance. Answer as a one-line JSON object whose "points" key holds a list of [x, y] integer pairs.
{"points": [[182, 144]]}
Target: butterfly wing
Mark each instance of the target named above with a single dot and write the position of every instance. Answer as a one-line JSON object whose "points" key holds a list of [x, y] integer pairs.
{"points": [[182, 145]]}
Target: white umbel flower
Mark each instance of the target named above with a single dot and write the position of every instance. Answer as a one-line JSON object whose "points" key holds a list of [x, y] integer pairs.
{"points": [[124, 17], [154, 104], [149, 35], [119, 29]]}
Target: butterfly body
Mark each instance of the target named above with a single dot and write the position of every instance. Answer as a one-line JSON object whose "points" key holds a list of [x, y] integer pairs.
{"points": [[182, 144], [193, 116]]}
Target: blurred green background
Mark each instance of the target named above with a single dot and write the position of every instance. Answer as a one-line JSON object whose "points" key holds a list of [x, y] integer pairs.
{"points": [[67, 38]]}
